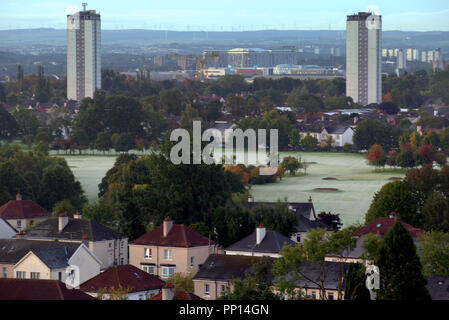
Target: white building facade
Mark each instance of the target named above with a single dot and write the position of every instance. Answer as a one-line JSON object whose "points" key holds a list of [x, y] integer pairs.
{"points": [[364, 58], [83, 54]]}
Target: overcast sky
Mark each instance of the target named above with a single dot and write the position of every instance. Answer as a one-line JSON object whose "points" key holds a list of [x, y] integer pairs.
{"points": [[213, 15]]}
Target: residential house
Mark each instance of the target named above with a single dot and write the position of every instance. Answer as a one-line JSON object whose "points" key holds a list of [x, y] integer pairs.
{"points": [[262, 243], [34, 289], [438, 287], [138, 284], [221, 136], [110, 246], [170, 293], [380, 226], [6, 230], [215, 275], [59, 263], [21, 214], [169, 249], [340, 134]]}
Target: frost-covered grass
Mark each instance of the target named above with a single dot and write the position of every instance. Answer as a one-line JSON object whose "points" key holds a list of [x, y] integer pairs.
{"points": [[355, 180]]}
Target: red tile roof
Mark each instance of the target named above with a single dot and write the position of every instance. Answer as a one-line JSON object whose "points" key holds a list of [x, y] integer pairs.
{"points": [[178, 236], [179, 295], [124, 275], [383, 225], [22, 209], [33, 289]]}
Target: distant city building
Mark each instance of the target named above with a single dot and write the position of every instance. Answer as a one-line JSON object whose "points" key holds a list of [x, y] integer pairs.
{"points": [[159, 60], [252, 57], [363, 58], [402, 61], [83, 54]]}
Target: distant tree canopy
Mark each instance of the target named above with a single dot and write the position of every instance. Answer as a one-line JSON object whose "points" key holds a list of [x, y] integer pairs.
{"points": [[38, 177], [8, 125], [148, 189], [370, 132]]}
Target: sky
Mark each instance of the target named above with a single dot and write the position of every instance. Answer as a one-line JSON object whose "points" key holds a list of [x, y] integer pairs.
{"points": [[228, 15]]}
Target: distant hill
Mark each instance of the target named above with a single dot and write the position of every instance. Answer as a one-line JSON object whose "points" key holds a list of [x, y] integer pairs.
{"points": [[265, 38]]}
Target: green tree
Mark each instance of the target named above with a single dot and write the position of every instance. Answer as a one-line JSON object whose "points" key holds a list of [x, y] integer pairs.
{"points": [[124, 142], [63, 206], [8, 125], [42, 90], [436, 213], [291, 164], [231, 223], [255, 286], [433, 251], [295, 137], [395, 197], [27, 122], [103, 142], [400, 269], [277, 218], [172, 101], [101, 212], [309, 142], [355, 288]]}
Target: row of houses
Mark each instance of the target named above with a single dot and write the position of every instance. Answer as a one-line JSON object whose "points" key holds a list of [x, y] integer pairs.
{"points": [[63, 249]]}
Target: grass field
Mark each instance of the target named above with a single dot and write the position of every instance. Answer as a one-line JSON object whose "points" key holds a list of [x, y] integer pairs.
{"points": [[354, 187]]}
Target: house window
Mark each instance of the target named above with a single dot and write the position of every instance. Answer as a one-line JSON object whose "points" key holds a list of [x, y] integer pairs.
{"points": [[20, 275], [206, 290], [122, 244], [192, 261], [110, 244], [298, 238], [167, 254], [330, 296], [140, 296], [60, 276], [313, 294], [148, 253], [121, 261], [19, 223], [223, 288], [5, 275], [35, 275], [148, 269], [168, 272]]}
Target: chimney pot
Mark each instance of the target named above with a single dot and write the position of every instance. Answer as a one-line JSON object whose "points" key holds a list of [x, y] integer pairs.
{"points": [[78, 215], [260, 234], [63, 220], [167, 225], [168, 292], [18, 197]]}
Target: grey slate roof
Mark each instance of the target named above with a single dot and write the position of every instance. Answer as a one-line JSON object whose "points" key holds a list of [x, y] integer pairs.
{"points": [[305, 224], [226, 267], [302, 208], [271, 243], [438, 287], [57, 257], [50, 252], [74, 230], [312, 271]]}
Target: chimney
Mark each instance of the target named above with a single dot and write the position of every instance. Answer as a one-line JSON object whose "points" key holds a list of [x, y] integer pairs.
{"points": [[168, 224], [63, 220], [250, 198], [393, 215], [310, 198], [168, 292], [78, 215], [18, 197], [260, 234]]}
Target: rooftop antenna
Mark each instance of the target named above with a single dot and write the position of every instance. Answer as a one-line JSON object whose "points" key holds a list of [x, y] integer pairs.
{"points": [[84, 6]]}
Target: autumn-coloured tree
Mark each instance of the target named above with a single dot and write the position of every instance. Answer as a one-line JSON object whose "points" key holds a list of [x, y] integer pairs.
{"points": [[376, 156]]}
